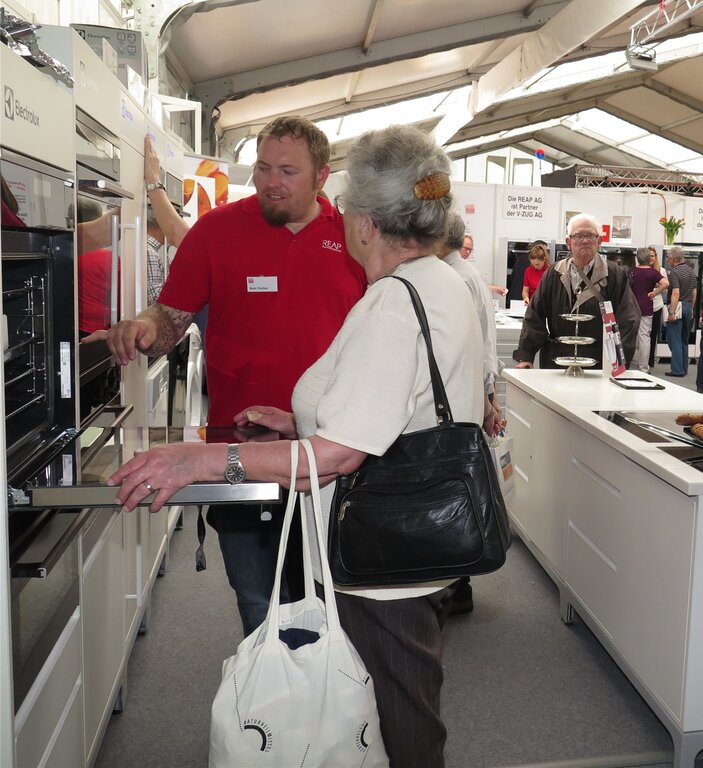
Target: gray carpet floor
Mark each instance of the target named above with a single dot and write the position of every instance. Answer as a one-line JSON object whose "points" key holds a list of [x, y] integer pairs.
{"points": [[521, 688]]}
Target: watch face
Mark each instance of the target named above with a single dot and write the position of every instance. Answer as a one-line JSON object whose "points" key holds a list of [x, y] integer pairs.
{"points": [[235, 473]]}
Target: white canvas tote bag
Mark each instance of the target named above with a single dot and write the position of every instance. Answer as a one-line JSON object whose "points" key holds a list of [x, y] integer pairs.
{"points": [[307, 707]]}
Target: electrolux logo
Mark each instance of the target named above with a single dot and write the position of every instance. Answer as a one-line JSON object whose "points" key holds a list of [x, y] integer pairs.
{"points": [[9, 103], [15, 108]]}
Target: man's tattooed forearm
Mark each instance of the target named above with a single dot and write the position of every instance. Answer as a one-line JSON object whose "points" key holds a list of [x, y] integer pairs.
{"points": [[171, 323]]}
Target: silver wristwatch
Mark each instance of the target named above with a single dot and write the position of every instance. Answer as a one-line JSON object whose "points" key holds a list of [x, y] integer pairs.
{"points": [[152, 185], [234, 472]]}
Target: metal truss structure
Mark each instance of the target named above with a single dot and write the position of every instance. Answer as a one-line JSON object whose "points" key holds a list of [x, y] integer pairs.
{"points": [[637, 178], [668, 13]]}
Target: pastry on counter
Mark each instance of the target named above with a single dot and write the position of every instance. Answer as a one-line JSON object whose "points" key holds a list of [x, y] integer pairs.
{"points": [[689, 419]]}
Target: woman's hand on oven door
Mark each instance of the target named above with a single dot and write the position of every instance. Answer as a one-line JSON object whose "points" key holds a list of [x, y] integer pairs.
{"points": [[126, 337], [166, 469]]}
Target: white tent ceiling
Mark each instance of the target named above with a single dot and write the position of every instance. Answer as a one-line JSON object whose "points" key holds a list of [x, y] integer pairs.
{"points": [[250, 60]]}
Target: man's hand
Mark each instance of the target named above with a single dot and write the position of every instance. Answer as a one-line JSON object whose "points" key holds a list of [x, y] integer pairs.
{"points": [[126, 338], [524, 364]]}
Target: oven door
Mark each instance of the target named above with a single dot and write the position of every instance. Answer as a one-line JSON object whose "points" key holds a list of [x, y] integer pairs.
{"points": [[105, 445], [34, 194], [44, 592], [98, 288]]}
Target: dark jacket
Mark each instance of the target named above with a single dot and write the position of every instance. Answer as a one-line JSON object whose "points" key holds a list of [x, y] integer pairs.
{"points": [[554, 296]]}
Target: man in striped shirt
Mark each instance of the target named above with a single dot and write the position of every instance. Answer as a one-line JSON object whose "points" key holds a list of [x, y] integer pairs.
{"points": [[682, 290]]}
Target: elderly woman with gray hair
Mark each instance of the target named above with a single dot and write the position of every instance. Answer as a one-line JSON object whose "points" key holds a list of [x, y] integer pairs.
{"points": [[372, 385]]}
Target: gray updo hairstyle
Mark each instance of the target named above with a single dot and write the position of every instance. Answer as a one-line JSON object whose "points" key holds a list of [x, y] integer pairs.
{"points": [[383, 168]]}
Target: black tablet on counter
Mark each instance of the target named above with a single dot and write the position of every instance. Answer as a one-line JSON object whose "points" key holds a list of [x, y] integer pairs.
{"points": [[636, 382]]}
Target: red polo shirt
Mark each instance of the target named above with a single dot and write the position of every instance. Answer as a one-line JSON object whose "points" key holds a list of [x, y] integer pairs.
{"points": [[276, 300]]}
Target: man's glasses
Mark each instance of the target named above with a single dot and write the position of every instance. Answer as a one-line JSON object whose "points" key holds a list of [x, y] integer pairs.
{"points": [[584, 237], [466, 249], [339, 204]]}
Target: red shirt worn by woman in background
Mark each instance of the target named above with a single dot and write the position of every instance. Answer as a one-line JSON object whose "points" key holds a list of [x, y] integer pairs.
{"points": [[539, 261]]}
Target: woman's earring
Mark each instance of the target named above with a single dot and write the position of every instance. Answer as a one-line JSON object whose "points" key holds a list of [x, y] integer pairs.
{"points": [[363, 242]]}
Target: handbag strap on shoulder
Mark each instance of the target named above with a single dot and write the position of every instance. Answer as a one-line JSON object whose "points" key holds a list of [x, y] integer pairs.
{"points": [[441, 403]]}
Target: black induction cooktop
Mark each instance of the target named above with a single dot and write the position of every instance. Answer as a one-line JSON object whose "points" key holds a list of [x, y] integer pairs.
{"points": [[680, 443]]}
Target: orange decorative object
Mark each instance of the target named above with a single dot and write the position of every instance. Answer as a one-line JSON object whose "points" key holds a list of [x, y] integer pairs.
{"points": [[204, 204], [211, 169], [433, 186], [221, 187], [207, 168], [188, 189]]}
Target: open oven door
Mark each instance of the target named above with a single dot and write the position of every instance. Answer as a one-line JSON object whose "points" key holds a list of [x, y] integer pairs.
{"points": [[100, 449]]}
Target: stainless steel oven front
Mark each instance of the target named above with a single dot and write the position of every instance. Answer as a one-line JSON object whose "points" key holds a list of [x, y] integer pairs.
{"points": [[98, 200], [38, 304]]}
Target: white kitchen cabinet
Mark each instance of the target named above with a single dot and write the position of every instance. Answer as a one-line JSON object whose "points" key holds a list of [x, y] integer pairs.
{"points": [[103, 622], [629, 560], [626, 545], [132, 573], [67, 749], [49, 723], [507, 337], [158, 522], [538, 509]]}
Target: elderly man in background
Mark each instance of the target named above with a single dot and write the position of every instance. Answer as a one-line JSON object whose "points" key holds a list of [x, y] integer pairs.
{"points": [[682, 280], [565, 289]]}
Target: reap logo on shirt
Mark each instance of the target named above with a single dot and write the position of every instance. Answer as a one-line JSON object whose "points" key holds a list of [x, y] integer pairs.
{"points": [[332, 246]]}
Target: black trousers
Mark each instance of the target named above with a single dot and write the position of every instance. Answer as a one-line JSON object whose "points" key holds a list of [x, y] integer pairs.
{"points": [[400, 643]]}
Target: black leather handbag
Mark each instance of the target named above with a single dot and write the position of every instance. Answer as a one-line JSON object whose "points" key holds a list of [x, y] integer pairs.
{"points": [[429, 509]]}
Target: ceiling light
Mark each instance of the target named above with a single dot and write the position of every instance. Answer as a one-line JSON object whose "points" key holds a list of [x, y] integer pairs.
{"points": [[640, 57]]}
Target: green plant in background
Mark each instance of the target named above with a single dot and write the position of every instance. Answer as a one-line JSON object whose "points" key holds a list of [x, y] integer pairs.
{"points": [[672, 227]]}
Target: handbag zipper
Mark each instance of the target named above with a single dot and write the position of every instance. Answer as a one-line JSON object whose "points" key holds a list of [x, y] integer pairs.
{"points": [[343, 510]]}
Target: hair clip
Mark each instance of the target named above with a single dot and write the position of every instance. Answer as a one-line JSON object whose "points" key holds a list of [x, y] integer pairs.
{"points": [[433, 186]]}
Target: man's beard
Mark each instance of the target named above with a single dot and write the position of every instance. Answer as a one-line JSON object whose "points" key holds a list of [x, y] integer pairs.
{"points": [[275, 216]]}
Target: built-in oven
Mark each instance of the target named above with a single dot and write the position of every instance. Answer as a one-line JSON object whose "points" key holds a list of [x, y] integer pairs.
{"points": [[39, 362], [38, 313], [98, 202]]}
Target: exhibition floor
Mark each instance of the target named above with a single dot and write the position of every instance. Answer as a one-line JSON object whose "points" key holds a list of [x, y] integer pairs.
{"points": [[521, 688]]}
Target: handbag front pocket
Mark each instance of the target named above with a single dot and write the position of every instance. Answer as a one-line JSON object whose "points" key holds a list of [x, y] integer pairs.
{"points": [[419, 524]]}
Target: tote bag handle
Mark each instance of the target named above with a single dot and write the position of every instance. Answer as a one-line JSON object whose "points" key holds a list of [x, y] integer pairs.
{"points": [[273, 615], [327, 583]]}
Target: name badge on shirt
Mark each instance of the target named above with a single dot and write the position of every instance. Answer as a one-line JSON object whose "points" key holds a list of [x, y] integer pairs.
{"points": [[262, 284]]}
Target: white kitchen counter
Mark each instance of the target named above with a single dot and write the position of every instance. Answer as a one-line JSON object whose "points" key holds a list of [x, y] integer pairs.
{"points": [[576, 398], [618, 525]]}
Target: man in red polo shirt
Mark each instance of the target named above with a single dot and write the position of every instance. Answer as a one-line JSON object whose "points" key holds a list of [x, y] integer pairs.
{"points": [[278, 281]]}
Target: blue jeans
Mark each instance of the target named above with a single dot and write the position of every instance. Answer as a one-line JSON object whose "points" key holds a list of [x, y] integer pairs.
{"points": [[677, 338], [249, 548]]}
